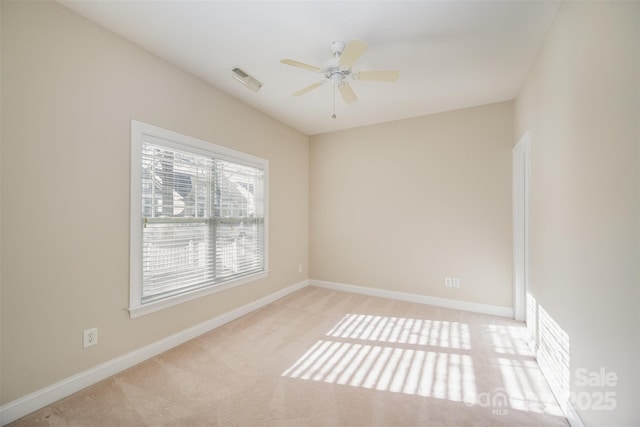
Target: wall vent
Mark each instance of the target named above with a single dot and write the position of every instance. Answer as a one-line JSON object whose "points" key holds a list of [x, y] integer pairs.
{"points": [[246, 79]]}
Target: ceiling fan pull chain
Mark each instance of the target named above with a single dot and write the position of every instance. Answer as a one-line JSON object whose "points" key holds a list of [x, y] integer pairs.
{"points": [[334, 102]]}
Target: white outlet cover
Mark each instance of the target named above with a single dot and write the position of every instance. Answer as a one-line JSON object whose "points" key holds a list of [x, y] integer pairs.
{"points": [[89, 337]]}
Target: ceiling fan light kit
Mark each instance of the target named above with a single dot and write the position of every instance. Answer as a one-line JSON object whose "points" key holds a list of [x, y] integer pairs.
{"points": [[338, 68]]}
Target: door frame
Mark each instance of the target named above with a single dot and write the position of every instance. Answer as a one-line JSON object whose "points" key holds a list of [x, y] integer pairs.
{"points": [[521, 193]]}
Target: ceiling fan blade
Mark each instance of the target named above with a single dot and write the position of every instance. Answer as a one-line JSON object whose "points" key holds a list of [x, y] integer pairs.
{"points": [[348, 94], [380, 76], [352, 52], [301, 65], [309, 88]]}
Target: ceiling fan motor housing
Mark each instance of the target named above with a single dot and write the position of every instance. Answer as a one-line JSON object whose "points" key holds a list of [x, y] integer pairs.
{"points": [[337, 48]]}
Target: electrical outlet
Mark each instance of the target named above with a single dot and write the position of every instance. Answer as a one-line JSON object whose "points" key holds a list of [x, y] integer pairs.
{"points": [[89, 337], [299, 268], [456, 282], [448, 282]]}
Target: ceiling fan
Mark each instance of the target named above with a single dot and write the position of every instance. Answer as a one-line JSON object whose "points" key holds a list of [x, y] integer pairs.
{"points": [[337, 69]]}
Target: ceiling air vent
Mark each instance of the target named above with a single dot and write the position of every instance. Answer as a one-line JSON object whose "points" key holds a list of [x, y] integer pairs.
{"points": [[246, 79]]}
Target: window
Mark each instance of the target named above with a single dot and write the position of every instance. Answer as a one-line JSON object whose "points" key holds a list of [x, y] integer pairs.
{"points": [[198, 218]]}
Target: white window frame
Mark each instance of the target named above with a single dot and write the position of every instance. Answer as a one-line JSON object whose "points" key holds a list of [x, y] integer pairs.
{"points": [[181, 142]]}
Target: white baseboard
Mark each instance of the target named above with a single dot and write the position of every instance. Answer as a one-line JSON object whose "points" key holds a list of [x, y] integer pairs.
{"points": [[572, 416], [66, 387], [420, 299], [48, 395]]}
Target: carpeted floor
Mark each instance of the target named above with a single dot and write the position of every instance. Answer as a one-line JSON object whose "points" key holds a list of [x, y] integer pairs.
{"points": [[326, 358]]}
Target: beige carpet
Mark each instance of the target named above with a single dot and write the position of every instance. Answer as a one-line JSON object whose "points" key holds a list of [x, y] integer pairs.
{"points": [[325, 358]]}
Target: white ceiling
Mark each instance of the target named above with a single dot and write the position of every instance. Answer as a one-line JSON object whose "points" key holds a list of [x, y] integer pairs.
{"points": [[450, 54]]}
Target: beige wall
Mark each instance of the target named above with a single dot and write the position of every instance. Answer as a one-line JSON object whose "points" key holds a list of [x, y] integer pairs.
{"points": [[581, 103], [401, 205], [69, 90]]}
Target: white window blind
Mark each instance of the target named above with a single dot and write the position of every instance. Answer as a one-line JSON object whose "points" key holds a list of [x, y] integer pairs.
{"points": [[201, 216]]}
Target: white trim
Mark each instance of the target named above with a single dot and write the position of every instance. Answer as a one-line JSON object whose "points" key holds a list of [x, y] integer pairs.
{"points": [[420, 299], [179, 299], [186, 142], [572, 416], [567, 407], [135, 235], [164, 137], [61, 389], [520, 193]]}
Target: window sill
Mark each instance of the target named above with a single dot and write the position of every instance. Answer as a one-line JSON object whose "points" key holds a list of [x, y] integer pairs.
{"points": [[151, 307]]}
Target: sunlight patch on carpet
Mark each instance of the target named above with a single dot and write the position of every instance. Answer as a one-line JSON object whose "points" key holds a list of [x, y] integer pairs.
{"points": [[389, 354], [403, 330], [401, 370]]}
